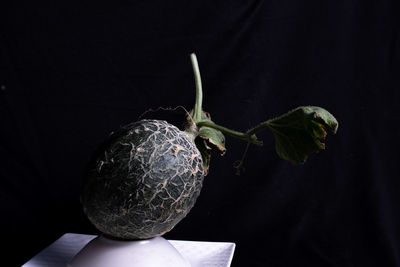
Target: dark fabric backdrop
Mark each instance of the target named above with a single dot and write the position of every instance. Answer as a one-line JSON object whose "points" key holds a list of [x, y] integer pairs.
{"points": [[70, 73]]}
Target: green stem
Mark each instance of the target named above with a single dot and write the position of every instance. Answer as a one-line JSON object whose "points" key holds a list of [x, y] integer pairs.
{"points": [[259, 127], [248, 136], [199, 91], [244, 136]]}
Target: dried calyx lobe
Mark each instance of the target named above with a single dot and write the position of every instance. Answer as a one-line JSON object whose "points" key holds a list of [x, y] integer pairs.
{"points": [[146, 179]]}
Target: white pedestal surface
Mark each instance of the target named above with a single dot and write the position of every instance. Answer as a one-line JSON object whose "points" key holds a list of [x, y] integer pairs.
{"points": [[197, 253], [106, 252]]}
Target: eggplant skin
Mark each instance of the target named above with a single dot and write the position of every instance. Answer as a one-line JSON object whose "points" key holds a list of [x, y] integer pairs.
{"points": [[146, 179]]}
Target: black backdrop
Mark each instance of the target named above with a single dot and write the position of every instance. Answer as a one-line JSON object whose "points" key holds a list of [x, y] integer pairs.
{"points": [[70, 73]]}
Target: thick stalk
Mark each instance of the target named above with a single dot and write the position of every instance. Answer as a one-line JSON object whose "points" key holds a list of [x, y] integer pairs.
{"points": [[199, 90]]}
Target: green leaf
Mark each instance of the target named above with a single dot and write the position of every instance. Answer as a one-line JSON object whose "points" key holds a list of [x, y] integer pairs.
{"points": [[300, 131], [206, 139], [214, 138]]}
